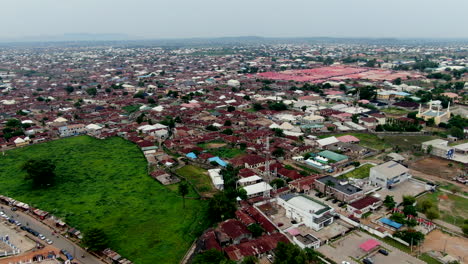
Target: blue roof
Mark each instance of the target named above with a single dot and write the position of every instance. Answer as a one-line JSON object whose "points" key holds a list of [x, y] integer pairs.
{"points": [[218, 160], [391, 223], [191, 155]]}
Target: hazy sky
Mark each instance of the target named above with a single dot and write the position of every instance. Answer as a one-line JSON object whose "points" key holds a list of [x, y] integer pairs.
{"points": [[218, 18]]}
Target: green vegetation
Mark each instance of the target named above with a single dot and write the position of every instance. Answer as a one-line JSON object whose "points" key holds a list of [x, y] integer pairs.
{"points": [[359, 173], [104, 184], [406, 143], [198, 177], [131, 108], [452, 210], [95, 239], [428, 259], [395, 111], [226, 153], [367, 140]]}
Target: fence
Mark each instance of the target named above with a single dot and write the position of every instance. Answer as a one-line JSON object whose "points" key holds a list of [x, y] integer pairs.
{"points": [[14, 250]]}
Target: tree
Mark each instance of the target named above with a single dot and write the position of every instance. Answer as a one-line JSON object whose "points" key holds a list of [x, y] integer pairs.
{"points": [[278, 182], [409, 210], [425, 205], [389, 202], [411, 236], [289, 254], [231, 108], [408, 200], [95, 239], [256, 229], [279, 152], [249, 260], [278, 132], [227, 131], [457, 132], [397, 81], [211, 128], [211, 256], [398, 217], [429, 149], [91, 91], [40, 171], [355, 118], [303, 108], [257, 106], [228, 123], [220, 207], [432, 213], [465, 229], [183, 191], [69, 89]]}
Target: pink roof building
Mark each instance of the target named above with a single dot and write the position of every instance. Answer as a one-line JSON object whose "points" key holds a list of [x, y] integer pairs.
{"points": [[348, 139], [369, 245]]}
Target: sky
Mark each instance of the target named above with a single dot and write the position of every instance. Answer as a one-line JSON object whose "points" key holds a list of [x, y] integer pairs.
{"points": [[156, 19]]}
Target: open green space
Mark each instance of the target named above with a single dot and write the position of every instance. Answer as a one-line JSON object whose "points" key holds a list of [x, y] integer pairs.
{"points": [[395, 111], [104, 184], [359, 173], [366, 140], [131, 108], [226, 153], [453, 210], [406, 143], [198, 177]]}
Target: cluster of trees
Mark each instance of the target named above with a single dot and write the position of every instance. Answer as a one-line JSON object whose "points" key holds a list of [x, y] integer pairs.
{"points": [[277, 106], [95, 239], [399, 125], [14, 128], [410, 236], [40, 171], [429, 209]]}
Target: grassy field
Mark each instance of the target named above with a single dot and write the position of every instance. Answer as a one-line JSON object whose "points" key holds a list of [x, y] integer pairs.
{"points": [[226, 153], [395, 111], [366, 140], [359, 173], [104, 184], [406, 143], [453, 210], [198, 177]]}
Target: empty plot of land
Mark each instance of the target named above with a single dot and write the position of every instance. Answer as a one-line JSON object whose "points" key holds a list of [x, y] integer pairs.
{"points": [[20, 241], [440, 242], [437, 167], [198, 177]]}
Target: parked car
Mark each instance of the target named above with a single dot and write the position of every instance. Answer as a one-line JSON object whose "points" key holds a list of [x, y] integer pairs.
{"points": [[41, 236], [48, 241], [383, 252], [367, 261], [66, 254]]}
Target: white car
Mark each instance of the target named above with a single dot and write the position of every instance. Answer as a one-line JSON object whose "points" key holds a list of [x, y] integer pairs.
{"points": [[41, 236], [48, 241], [345, 262]]}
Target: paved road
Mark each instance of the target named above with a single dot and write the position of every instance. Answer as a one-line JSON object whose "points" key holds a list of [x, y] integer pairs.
{"points": [[60, 242]]}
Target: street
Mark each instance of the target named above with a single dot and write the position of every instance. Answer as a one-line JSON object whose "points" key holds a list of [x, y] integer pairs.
{"points": [[60, 242]]}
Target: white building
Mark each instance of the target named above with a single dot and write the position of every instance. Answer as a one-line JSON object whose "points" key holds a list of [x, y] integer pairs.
{"points": [[257, 189], [72, 130], [388, 174], [306, 210], [216, 178]]}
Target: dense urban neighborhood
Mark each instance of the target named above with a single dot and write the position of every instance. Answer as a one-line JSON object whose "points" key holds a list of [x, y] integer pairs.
{"points": [[240, 152]]}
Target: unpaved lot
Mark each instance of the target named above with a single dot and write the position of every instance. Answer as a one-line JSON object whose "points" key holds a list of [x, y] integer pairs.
{"points": [[453, 245], [437, 167]]}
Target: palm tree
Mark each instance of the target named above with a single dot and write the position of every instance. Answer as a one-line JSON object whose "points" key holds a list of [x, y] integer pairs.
{"points": [[183, 190]]}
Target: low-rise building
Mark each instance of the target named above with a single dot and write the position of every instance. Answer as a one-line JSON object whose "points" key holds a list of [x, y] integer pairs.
{"points": [[389, 174], [304, 209], [341, 190]]}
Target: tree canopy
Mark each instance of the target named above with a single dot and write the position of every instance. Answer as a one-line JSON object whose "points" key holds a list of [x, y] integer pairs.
{"points": [[40, 171], [95, 239]]}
